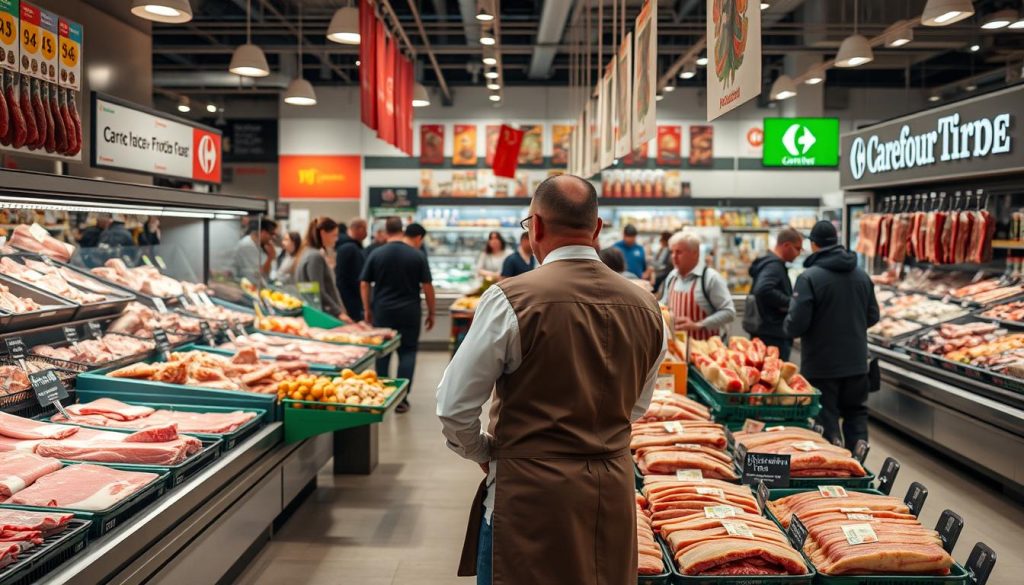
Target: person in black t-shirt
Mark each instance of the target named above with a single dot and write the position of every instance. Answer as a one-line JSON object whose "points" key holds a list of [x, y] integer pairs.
{"points": [[396, 272], [521, 261]]}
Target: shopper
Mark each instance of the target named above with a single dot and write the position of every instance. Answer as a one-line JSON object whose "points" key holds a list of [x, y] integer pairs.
{"points": [[254, 253], [772, 290], [380, 237], [311, 265], [349, 260], [492, 258], [662, 263], [521, 261], [571, 351], [116, 235], [636, 258], [150, 235], [833, 305], [397, 271], [90, 237], [699, 300], [613, 258], [284, 266]]}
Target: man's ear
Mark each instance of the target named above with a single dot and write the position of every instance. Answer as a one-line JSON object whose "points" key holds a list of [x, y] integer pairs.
{"points": [[537, 226], [597, 232]]}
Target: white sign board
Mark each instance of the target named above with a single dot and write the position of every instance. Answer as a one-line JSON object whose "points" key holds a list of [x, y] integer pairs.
{"points": [[734, 55]]}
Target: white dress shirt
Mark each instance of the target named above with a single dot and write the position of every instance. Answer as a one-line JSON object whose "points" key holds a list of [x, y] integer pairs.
{"points": [[491, 349]]}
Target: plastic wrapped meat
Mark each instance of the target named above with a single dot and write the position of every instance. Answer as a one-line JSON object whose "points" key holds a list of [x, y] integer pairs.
{"points": [[84, 487]]}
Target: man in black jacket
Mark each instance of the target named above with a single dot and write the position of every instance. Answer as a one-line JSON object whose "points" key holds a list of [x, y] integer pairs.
{"points": [[773, 290], [833, 305], [349, 266]]}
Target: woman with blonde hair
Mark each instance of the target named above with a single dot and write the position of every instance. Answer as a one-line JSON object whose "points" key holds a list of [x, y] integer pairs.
{"points": [[312, 264]]}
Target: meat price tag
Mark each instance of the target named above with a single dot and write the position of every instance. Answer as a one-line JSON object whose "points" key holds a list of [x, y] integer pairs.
{"points": [[184, 301], [832, 491], [860, 516], [796, 532], [737, 528], [762, 496], [860, 450], [949, 526], [710, 491], [70, 57], [805, 446], [95, 329], [980, 563], [673, 427], [15, 347], [689, 475], [161, 307], [71, 335], [688, 446], [160, 262], [204, 328], [47, 46], [195, 299], [163, 344], [771, 468], [916, 495], [719, 512], [205, 298], [752, 426], [47, 387], [9, 22], [886, 477], [859, 533]]}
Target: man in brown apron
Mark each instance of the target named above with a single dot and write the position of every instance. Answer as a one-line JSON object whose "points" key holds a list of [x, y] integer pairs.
{"points": [[571, 350]]}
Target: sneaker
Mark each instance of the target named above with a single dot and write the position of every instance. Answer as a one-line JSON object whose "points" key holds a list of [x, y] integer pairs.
{"points": [[402, 407]]}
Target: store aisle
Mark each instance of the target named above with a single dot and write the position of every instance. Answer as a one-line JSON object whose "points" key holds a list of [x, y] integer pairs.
{"points": [[405, 523]]}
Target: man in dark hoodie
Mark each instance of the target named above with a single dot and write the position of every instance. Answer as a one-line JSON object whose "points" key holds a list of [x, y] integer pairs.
{"points": [[833, 305], [348, 266], [773, 290]]}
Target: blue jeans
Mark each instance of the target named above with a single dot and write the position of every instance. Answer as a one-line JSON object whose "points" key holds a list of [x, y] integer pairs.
{"points": [[483, 555]]}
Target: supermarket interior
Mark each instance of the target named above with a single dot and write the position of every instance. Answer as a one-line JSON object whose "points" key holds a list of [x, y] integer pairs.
{"points": [[533, 292]]}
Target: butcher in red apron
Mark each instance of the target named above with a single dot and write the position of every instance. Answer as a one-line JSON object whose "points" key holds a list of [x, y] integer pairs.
{"points": [[698, 298]]}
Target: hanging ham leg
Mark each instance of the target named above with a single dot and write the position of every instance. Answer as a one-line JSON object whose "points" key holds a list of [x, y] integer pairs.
{"points": [[51, 143], [60, 137], [75, 120], [5, 121], [39, 110], [18, 131], [25, 99]]}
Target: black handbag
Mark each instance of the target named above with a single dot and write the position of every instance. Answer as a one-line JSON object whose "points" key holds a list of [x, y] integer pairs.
{"points": [[874, 375]]}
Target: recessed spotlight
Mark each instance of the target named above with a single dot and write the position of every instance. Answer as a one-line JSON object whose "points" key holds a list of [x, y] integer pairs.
{"points": [[975, 48], [970, 87], [484, 16], [934, 97], [487, 40], [689, 70], [668, 88], [493, 86], [492, 74], [494, 97], [211, 108], [184, 105], [490, 61]]}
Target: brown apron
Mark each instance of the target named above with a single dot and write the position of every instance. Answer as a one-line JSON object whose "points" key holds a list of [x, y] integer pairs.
{"points": [[564, 507]]}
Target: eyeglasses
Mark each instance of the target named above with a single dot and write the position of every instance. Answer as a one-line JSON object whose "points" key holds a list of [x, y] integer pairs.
{"points": [[525, 223]]}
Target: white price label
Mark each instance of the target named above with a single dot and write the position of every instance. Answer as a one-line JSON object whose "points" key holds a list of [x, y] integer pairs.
{"points": [[806, 446], [688, 446], [673, 427], [689, 475], [737, 528], [710, 491], [832, 491], [854, 510], [719, 512], [752, 426], [205, 298], [859, 533], [860, 516], [665, 383]]}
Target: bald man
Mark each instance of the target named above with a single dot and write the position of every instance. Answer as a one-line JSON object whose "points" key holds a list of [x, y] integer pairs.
{"points": [[571, 350], [349, 266]]}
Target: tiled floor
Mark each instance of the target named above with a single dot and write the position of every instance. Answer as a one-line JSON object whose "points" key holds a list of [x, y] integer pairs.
{"points": [[404, 525]]}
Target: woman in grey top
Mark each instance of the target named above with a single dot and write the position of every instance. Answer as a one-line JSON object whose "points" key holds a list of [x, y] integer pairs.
{"points": [[312, 265]]}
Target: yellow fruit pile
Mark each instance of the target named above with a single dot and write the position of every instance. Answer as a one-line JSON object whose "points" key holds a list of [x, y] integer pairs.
{"points": [[348, 390], [280, 300]]}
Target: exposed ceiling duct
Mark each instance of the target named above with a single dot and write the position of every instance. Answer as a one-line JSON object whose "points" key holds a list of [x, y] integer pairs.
{"points": [[553, 18]]}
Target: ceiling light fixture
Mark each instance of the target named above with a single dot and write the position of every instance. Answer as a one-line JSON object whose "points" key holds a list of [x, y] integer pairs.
{"points": [[248, 59], [211, 108], [689, 70], [300, 92], [855, 50], [344, 27], [934, 97], [658, 97], [492, 74], [975, 48], [970, 87], [898, 35], [765, 6], [169, 11], [420, 96], [483, 15], [494, 97], [702, 60], [783, 88], [669, 88], [490, 61], [814, 79], [1018, 25], [1000, 19], [487, 40], [946, 12], [493, 85], [184, 105]]}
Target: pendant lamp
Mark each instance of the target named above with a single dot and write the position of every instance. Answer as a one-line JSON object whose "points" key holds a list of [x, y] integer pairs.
{"points": [[169, 11], [420, 97], [783, 88], [855, 50], [300, 92], [946, 12], [1000, 19], [344, 27], [249, 60]]}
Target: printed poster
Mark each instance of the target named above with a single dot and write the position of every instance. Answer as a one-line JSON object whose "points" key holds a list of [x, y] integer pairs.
{"points": [[432, 144], [367, 67], [623, 90], [384, 72], [645, 70], [509, 151], [464, 147], [734, 54], [637, 157], [702, 146], [607, 109], [560, 144], [594, 138], [532, 150], [493, 131], [670, 146]]}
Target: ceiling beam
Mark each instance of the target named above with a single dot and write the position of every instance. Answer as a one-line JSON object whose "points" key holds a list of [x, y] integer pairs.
{"points": [[470, 27], [430, 54], [553, 17], [324, 58]]}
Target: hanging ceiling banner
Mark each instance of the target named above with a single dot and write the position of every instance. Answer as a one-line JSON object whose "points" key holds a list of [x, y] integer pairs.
{"points": [[645, 68], [506, 157], [367, 65], [734, 54], [607, 108], [623, 91]]}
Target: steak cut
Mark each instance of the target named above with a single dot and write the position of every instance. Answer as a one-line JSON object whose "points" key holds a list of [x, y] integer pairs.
{"points": [[19, 470], [16, 427], [108, 451], [26, 520], [83, 487]]}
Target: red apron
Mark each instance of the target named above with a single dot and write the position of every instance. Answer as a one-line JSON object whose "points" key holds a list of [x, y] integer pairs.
{"points": [[683, 304]]}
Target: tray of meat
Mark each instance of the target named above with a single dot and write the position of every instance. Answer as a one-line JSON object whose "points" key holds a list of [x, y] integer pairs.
{"points": [[318, 354], [24, 306], [36, 239], [1010, 313], [54, 278], [229, 425], [17, 396], [987, 292], [813, 460], [139, 321], [652, 558], [890, 331], [224, 316], [147, 282], [110, 350], [863, 537], [104, 495], [322, 327], [51, 539], [977, 349]]}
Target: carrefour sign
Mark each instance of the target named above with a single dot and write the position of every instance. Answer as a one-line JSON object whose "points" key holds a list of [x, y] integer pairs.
{"points": [[975, 137], [800, 142]]}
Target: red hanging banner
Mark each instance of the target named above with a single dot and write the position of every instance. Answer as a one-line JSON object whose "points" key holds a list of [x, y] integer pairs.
{"points": [[506, 155], [367, 64], [409, 82], [385, 93]]}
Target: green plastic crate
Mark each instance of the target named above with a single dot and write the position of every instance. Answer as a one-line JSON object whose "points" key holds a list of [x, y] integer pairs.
{"points": [[307, 418], [734, 406], [357, 367], [41, 559], [664, 578]]}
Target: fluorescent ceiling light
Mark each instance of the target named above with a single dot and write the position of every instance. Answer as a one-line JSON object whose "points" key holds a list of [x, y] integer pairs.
{"points": [[689, 70], [420, 97], [999, 19], [300, 93], [668, 88], [487, 40], [1018, 25], [765, 6], [344, 27], [946, 12], [249, 61], [492, 74], [783, 88], [490, 61], [169, 11], [493, 85], [854, 52]]}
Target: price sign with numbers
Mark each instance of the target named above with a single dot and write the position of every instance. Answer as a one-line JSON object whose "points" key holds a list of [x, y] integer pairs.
{"points": [[48, 387], [47, 45], [9, 37], [71, 335], [94, 329], [70, 54], [163, 344], [207, 333], [30, 39], [15, 347]]}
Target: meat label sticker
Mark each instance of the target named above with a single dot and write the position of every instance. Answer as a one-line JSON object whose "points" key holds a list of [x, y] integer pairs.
{"points": [[805, 446], [859, 533], [689, 475], [204, 328], [737, 528], [710, 491], [9, 27], [688, 446], [752, 426], [860, 517], [70, 57], [853, 510], [719, 512], [665, 383], [47, 46], [47, 387], [832, 491], [95, 329], [771, 468], [674, 427], [161, 307]]}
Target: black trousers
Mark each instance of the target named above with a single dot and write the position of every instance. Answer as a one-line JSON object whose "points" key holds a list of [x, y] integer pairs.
{"points": [[844, 405], [407, 322]]}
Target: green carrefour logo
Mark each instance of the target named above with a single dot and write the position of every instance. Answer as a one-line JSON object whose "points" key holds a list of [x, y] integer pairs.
{"points": [[801, 142]]}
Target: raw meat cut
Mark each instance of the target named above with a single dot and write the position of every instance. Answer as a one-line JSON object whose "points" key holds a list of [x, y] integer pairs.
{"points": [[111, 408], [18, 129], [11, 519], [711, 557], [158, 433], [19, 470], [671, 406], [51, 143], [36, 239], [16, 427], [711, 462], [40, 113], [810, 454], [657, 434], [120, 451], [108, 348], [5, 120], [25, 100], [49, 280], [649, 559], [106, 412], [75, 122], [286, 349], [83, 487], [60, 137], [200, 368]]}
